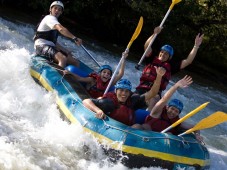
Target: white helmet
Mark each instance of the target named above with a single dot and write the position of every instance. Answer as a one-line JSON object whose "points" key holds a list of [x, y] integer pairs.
{"points": [[57, 3]]}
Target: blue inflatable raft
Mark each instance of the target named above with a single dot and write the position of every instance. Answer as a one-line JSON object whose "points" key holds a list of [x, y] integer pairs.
{"points": [[142, 148]]}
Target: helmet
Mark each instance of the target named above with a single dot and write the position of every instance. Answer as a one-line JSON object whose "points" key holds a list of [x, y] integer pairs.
{"points": [[105, 67], [176, 103], [123, 84], [168, 49], [57, 3]]}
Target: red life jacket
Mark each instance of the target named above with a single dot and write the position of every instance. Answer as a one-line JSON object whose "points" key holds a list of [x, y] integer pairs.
{"points": [[159, 124], [149, 75], [99, 88], [123, 112]]}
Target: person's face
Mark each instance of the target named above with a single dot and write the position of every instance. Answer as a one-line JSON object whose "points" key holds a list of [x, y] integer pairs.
{"points": [[56, 11], [172, 112], [122, 95], [105, 75], [163, 56]]}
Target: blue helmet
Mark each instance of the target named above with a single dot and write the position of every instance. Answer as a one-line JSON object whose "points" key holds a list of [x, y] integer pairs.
{"points": [[123, 84], [176, 103], [168, 49], [105, 67]]}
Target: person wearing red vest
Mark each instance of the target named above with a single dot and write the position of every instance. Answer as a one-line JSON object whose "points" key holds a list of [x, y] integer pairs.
{"points": [[164, 60], [96, 83], [121, 104], [163, 115]]}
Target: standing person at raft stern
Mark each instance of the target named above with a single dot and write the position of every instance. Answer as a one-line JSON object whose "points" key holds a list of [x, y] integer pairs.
{"points": [[96, 83], [163, 60], [121, 104], [46, 38], [163, 115]]}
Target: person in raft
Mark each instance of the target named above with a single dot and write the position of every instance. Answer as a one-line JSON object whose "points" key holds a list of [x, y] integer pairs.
{"points": [[46, 38], [121, 104], [166, 112], [96, 83], [163, 60]]}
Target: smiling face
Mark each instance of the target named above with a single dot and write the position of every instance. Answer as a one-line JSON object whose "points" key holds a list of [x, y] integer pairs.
{"points": [[56, 11], [122, 95], [105, 75], [163, 56], [172, 112]]}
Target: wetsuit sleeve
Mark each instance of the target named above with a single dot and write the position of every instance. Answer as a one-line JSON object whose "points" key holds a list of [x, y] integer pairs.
{"points": [[106, 105], [138, 101]]}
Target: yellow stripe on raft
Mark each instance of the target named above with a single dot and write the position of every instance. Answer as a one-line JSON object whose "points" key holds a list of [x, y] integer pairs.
{"points": [[134, 150], [41, 79], [117, 145]]}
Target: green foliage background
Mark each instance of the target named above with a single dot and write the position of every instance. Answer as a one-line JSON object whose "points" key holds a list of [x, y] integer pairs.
{"points": [[114, 21]]}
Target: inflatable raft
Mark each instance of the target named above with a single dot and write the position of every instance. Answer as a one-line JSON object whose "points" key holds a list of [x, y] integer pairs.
{"points": [[140, 148]]}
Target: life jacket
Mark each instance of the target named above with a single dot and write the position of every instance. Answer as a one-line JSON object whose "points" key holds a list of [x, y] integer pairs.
{"points": [[51, 35], [159, 124], [123, 112], [149, 75], [99, 88]]}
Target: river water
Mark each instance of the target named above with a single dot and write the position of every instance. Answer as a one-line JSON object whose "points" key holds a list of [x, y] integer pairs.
{"points": [[34, 137]]}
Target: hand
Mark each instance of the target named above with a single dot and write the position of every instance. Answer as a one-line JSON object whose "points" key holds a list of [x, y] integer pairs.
{"points": [[78, 41], [69, 54], [125, 54], [198, 40], [198, 137], [100, 114], [66, 72], [157, 30], [160, 71], [185, 82]]}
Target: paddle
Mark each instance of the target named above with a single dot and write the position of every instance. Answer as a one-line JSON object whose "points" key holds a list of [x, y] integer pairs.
{"points": [[90, 55], [196, 110], [134, 36], [155, 35], [212, 120]]}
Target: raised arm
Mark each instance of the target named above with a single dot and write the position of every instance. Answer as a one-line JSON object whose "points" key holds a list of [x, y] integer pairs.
{"points": [[156, 86], [122, 68], [157, 30], [192, 54], [157, 109]]}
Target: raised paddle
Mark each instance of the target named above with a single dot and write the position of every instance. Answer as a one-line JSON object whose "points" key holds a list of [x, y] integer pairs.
{"points": [[210, 121], [196, 110], [134, 36], [155, 35], [90, 55]]}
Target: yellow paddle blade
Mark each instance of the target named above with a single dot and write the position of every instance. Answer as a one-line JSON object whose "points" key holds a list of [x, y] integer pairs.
{"points": [[190, 114], [173, 3], [136, 33], [211, 121], [196, 110]]}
